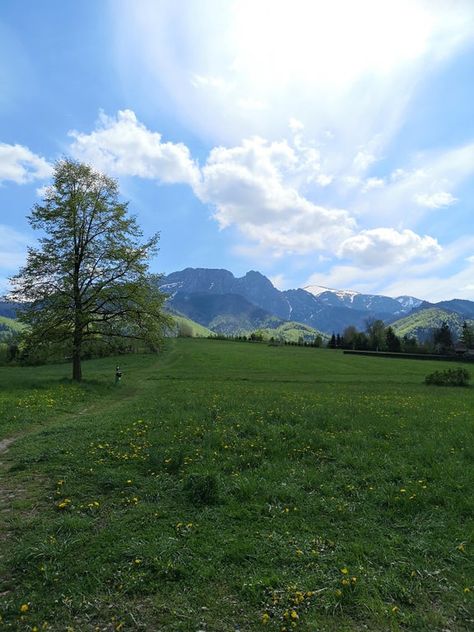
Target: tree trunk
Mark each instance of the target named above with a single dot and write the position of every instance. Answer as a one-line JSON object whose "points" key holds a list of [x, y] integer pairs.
{"points": [[76, 351], [76, 365]]}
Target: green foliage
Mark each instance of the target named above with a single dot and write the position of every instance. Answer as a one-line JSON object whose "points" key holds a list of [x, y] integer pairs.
{"points": [[422, 323], [392, 341], [9, 326], [449, 377], [376, 334], [467, 335], [202, 489], [292, 332], [442, 338], [187, 328], [87, 281]]}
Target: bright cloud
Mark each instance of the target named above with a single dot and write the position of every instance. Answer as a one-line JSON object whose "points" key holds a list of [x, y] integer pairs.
{"points": [[122, 145], [255, 187], [427, 182], [344, 66], [19, 164], [387, 246], [435, 200]]}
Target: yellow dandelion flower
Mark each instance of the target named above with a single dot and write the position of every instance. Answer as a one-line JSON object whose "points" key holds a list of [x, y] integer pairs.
{"points": [[294, 615], [24, 607], [345, 571], [467, 590], [265, 618]]}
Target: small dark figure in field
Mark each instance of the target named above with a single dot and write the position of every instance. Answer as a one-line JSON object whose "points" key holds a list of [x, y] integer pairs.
{"points": [[118, 374]]}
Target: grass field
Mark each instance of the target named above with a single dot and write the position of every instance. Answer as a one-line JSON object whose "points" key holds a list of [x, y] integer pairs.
{"points": [[236, 487]]}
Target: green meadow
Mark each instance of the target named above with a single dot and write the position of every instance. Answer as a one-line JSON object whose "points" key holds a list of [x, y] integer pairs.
{"points": [[235, 487]]}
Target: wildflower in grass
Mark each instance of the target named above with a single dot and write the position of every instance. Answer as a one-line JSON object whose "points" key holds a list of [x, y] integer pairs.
{"points": [[345, 571], [265, 618], [24, 607], [467, 590], [294, 615], [395, 609], [461, 547], [345, 582]]}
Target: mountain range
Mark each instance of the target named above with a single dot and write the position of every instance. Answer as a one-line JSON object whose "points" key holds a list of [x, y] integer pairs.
{"points": [[225, 304], [216, 299]]}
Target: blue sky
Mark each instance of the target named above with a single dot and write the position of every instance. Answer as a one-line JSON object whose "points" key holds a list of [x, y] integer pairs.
{"points": [[322, 143]]}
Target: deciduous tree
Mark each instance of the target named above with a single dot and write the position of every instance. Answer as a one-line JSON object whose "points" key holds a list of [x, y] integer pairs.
{"points": [[88, 278]]}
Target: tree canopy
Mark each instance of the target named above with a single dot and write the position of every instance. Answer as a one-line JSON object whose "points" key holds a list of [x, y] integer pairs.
{"points": [[88, 278]]}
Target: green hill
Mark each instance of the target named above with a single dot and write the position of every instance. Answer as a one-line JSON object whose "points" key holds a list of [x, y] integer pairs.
{"points": [[190, 329], [421, 323], [293, 332], [9, 326]]}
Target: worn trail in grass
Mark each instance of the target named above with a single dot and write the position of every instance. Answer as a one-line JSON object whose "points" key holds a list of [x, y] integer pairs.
{"points": [[228, 486]]}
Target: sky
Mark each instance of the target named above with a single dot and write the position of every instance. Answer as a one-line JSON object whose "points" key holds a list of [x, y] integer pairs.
{"points": [[320, 142]]}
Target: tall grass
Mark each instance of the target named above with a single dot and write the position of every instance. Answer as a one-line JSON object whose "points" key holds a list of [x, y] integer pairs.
{"points": [[237, 487]]}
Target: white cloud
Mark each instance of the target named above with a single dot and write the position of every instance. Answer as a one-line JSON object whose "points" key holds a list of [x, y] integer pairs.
{"points": [[19, 164], [324, 180], [216, 83], [255, 187], [373, 183], [122, 145], [387, 246], [295, 125], [437, 287], [355, 76], [363, 160], [429, 181], [435, 200]]}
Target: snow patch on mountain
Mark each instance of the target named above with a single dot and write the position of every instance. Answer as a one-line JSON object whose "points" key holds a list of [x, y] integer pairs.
{"points": [[409, 302]]}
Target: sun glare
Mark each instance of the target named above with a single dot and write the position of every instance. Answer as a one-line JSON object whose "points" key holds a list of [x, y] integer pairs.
{"points": [[333, 43]]}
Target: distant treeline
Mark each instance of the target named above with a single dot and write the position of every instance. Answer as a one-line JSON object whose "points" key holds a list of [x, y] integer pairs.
{"points": [[272, 340], [378, 337]]}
